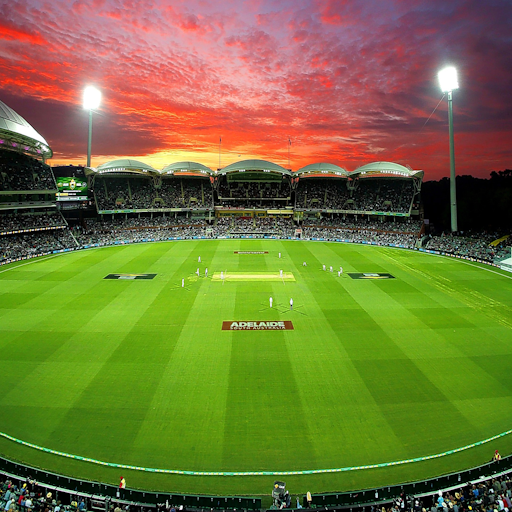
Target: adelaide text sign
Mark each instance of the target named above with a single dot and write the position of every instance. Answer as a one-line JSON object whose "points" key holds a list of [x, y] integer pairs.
{"points": [[258, 325]]}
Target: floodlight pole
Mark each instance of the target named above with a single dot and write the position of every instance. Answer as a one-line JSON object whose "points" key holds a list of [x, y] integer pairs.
{"points": [[453, 190], [92, 98], [90, 139]]}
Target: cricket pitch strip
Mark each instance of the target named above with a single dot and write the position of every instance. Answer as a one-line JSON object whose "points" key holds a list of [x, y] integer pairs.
{"points": [[253, 276]]}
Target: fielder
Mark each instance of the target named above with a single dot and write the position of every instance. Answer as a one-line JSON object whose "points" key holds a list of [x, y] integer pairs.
{"points": [[291, 304], [270, 300]]}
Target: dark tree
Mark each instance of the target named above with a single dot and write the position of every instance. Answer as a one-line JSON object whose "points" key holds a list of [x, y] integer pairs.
{"points": [[482, 204]]}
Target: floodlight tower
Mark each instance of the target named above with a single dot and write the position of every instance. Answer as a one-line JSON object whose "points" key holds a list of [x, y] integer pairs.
{"points": [[448, 82], [92, 99]]}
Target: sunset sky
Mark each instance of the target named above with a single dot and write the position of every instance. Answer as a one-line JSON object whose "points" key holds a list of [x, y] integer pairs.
{"points": [[348, 82]]}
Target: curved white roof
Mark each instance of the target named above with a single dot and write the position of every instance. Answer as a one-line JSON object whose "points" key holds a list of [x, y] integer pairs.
{"points": [[254, 165], [125, 165], [186, 167], [386, 169], [16, 130], [322, 168]]}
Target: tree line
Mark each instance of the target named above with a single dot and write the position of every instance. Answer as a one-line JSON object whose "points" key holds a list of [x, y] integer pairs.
{"points": [[482, 204]]}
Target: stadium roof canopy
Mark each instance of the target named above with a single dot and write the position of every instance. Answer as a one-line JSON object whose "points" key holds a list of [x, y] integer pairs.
{"points": [[254, 165], [124, 165], [322, 170], [187, 169], [386, 169], [16, 134]]}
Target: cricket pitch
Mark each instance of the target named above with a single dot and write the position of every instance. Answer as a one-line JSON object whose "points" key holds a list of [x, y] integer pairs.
{"points": [[253, 276]]}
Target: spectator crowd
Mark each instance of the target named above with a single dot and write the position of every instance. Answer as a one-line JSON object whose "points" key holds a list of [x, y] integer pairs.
{"points": [[395, 232], [471, 245], [143, 193], [19, 172], [12, 222]]}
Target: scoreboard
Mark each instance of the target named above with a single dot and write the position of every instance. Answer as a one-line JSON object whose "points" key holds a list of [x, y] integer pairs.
{"points": [[71, 189]]}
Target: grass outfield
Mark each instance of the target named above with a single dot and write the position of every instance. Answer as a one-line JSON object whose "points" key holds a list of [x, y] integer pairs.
{"points": [[139, 372]]}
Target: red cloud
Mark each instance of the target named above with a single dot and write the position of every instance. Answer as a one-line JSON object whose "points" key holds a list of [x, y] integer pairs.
{"points": [[13, 33], [349, 83]]}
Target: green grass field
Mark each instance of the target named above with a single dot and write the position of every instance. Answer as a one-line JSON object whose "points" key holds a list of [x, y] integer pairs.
{"points": [[140, 372]]}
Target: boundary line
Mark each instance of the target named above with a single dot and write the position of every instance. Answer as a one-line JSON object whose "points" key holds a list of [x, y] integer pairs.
{"points": [[253, 473]]}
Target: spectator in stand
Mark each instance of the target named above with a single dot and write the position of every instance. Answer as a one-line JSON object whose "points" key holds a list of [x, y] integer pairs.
{"points": [[22, 172], [397, 232]]}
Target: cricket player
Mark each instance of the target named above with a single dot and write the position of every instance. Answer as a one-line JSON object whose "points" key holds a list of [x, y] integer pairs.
{"points": [[323, 267], [197, 272], [291, 304], [270, 300], [199, 259], [281, 273], [206, 272], [304, 264]]}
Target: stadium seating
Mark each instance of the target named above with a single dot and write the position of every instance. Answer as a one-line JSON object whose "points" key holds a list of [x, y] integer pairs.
{"points": [[19, 172], [384, 195], [16, 222], [323, 194], [136, 229]]}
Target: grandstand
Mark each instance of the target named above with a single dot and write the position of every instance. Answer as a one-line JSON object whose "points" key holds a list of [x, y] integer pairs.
{"points": [[252, 205], [386, 188], [30, 223], [323, 187], [25, 180]]}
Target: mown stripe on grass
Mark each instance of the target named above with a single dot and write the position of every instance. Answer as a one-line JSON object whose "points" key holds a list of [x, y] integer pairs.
{"points": [[186, 415], [339, 333], [398, 380], [94, 394], [261, 377]]}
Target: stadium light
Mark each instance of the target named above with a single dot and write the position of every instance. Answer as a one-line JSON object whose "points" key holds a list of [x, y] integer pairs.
{"points": [[448, 82], [92, 99]]}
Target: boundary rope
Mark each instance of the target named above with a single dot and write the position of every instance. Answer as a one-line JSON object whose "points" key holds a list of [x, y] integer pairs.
{"points": [[253, 473]]}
